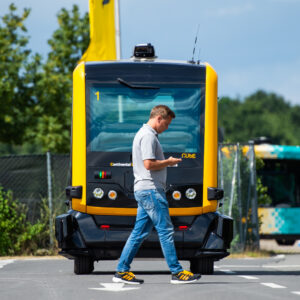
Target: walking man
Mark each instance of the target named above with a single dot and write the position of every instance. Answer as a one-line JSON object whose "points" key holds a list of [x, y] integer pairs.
{"points": [[150, 173]]}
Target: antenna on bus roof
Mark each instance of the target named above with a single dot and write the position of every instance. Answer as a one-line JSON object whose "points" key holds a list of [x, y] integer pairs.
{"points": [[198, 61], [195, 44]]}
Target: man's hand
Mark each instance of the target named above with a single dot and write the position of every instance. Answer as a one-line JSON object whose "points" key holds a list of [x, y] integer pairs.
{"points": [[154, 165], [172, 161]]}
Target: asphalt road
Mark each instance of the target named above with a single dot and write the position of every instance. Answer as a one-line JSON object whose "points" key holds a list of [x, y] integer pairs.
{"points": [[272, 278]]}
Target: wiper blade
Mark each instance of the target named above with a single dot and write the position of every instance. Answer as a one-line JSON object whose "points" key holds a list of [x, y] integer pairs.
{"points": [[133, 86]]}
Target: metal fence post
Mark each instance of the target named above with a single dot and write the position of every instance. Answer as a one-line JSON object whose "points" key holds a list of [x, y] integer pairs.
{"points": [[233, 182], [49, 180], [220, 173], [239, 198], [254, 215]]}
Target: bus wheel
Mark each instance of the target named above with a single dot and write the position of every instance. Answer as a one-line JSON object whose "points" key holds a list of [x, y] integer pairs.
{"points": [[284, 242], [83, 265], [202, 265]]}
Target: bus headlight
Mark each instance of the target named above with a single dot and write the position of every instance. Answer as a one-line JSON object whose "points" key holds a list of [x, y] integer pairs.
{"points": [[190, 193], [98, 193], [176, 195], [112, 195]]}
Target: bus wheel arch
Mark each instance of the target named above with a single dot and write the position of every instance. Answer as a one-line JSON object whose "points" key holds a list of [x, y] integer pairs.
{"points": [[285, 242]]}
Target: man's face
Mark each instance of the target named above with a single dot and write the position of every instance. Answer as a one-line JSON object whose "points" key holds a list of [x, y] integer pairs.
{"points": [[163, 124]]}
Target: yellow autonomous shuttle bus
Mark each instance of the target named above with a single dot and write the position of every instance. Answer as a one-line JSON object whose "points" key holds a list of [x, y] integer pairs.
{"points": [[111, 101]]}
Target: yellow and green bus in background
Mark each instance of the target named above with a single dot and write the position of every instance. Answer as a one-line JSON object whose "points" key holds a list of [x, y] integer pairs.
{"points": [[280, 220]]}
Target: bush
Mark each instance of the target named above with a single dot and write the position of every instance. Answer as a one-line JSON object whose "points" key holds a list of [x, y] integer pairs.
{"points": [[12, 223], [17, 235]]}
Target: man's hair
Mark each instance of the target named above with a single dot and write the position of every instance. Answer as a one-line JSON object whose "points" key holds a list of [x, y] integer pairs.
{"points": [[163, 111]]}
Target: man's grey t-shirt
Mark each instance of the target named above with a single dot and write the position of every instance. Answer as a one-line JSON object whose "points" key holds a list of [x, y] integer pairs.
{"points": [[146, 146]]}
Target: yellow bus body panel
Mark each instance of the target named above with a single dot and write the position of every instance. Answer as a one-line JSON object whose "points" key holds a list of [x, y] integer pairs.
{"points": [[79, 149], [210, 164], [112, 211], [79, 137]]}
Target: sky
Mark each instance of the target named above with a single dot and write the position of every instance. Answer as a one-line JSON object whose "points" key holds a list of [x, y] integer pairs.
{"points": [[252, 44]]}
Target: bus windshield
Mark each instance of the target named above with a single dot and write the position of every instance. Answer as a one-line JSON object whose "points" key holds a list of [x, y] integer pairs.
{"points": [[115, 114], [281, 177]]}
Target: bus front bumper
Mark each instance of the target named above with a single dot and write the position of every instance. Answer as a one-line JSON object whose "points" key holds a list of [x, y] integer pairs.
{"points": [[78, 234]]}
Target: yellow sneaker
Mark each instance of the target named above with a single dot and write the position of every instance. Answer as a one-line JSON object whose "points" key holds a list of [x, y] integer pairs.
{"points": [[126, 277], [184, 277]]}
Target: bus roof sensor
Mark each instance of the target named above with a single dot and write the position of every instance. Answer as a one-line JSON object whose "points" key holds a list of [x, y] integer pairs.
{"points": [[144, 51]]}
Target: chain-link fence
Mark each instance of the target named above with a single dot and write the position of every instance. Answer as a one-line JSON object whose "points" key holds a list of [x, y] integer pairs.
{"points": [[36, 178], [237, 176]]}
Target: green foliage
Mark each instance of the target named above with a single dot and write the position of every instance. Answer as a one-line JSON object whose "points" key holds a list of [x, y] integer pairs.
{"points": [[37, 237], [25, 148], [18, 236], [16, 77], [260, 114], [69, 41], [11, 223], [36, 95], [263, 198], [15, 232], [54, 88]]}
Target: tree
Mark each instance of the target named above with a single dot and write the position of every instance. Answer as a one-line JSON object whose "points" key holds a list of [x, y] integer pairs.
{"points": [[260, 114], [54, 89], [18, 72]]}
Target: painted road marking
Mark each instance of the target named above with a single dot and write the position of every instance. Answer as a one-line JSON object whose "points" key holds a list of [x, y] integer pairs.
{"points": [[248, 277], [296, 293], [5, 262], [281, 266], [260, 266], [114, 287], [273, 285], [241, 266], [227, 271]]}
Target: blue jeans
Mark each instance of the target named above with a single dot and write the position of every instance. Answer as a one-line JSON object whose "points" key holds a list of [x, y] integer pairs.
{"points": [[153, 210]]}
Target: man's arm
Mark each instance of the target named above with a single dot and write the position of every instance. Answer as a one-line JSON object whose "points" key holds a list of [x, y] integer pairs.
{"points": [[155, 165]]}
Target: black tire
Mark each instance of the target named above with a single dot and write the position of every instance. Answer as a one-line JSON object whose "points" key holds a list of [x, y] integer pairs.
{"points": [[202, 266], [83, 265], [284, 242]]}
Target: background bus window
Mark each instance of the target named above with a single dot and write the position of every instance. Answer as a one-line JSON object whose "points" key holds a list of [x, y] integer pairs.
{"points": [[282, 177]]}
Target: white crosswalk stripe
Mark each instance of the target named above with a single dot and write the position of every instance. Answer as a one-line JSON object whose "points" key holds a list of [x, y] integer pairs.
{"points": [[273, 285], [296, 293], [248, 277]]}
